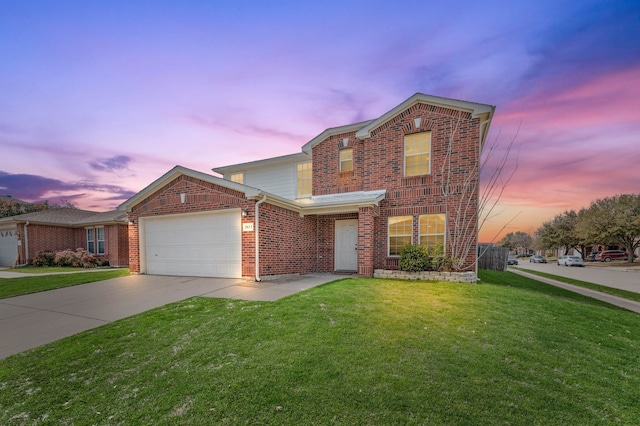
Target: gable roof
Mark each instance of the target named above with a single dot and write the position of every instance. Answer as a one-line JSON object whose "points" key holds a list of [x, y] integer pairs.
{"points": [[177, 171], [332, 131], [363, 129], [485, 112], [321, 204], [65, 216], [10, 199]]}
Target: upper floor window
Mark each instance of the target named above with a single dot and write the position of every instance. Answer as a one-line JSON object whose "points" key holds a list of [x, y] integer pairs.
{"points": [[400, 233], [346, 160], [237, 177], [432, 228], [417, 154], [304, 174]]}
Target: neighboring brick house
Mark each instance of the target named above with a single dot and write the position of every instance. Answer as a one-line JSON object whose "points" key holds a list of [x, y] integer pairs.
{"points": [[105, 234], [350, 201]]}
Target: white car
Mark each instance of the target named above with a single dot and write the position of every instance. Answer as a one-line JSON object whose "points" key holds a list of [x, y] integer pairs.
{"points": [[567, 260]]}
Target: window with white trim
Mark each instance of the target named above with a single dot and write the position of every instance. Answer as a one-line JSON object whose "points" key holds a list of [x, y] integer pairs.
{"points": [[346, 160], [417, 154], [91, 240], [100, 240], [400, 233], [237, 177], [304, 175], [432, 229]]}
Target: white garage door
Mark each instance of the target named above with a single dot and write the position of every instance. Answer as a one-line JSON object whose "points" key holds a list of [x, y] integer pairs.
{"points": [[8, 245], [195, 245]]}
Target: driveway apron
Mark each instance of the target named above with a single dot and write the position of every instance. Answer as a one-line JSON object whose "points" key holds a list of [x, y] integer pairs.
{"points": [[35, 319]]}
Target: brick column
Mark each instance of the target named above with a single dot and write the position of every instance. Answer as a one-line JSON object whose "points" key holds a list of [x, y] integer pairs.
{"points": [[365, 241]]}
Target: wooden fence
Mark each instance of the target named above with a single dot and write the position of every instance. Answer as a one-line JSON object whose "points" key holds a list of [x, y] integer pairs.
{"points": [[494, 258]]}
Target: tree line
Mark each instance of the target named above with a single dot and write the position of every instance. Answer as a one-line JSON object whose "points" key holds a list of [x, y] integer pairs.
{"points": [[607, 221]]}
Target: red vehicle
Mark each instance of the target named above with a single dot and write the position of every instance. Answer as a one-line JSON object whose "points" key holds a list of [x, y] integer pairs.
{"points": [[609, 255]]}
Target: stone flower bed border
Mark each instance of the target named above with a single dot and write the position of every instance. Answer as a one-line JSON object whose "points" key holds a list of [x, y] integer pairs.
{"points": [[458, 277]]}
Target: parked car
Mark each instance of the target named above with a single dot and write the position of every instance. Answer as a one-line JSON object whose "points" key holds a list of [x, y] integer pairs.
{"points": [[564, 259], [609, 255], [511, 260], [537, 259], [574, 261], [591, 257]]}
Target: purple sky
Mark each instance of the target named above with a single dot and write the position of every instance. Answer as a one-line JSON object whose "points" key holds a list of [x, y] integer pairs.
{"points": [[98, 99]]}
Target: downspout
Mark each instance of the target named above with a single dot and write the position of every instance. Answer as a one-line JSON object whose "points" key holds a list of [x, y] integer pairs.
{"points": [[257, 238], [26, 246]]}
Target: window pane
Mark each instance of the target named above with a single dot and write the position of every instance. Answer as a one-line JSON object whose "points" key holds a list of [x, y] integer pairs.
{"points": [[432, 229], [237, 178], [417, 149], [346, 160], [400, 233], [305, 171]]}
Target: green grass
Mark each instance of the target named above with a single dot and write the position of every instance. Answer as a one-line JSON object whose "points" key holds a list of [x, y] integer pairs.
{"points": [[46, 269], [509, 350], [601, 288], [10, 287]]}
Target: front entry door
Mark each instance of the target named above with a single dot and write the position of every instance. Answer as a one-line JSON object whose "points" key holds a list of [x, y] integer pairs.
{"points": [[346, 249]]}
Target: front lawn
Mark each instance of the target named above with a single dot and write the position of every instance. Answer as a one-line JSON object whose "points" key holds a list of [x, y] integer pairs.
{"points": [[10, 287], [509, 350]]}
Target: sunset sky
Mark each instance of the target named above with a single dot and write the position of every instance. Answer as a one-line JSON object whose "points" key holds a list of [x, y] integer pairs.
{"points": [[100, 98]]}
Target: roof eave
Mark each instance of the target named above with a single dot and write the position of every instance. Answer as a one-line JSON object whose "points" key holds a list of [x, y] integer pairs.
{"points": [[332, 131], [177, 171], [476, 110]]}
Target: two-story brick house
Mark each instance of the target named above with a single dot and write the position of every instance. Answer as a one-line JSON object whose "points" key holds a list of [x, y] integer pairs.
{"points": [[350, 201]]}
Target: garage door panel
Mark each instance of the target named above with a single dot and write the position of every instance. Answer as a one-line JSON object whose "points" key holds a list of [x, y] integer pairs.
{"points": [[194, 245]]}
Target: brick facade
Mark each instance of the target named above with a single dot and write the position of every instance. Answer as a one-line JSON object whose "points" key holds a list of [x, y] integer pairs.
{"points": [[294, 242], [57, 238], [379, 164]]}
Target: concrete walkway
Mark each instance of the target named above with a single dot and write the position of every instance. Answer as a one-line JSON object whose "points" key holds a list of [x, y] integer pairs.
{"points": [[36, 319]]}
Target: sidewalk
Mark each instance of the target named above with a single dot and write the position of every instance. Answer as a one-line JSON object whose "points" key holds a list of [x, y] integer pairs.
{"points": [[608, 298]]}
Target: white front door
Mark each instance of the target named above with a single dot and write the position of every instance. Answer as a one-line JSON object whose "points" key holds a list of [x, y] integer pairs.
{"points": [[346, 247]]}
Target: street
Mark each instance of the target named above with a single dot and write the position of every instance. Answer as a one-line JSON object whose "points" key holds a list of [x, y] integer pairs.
{"points": [[622, 277]]}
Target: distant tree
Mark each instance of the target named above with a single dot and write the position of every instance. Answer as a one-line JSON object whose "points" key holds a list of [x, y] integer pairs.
{"points": [[612, 220], [14, 208], [520, 241], [560, 233]]}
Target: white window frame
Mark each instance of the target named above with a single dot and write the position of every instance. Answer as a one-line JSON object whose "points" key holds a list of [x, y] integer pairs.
{"points": [[343, 161], [100, 242], [91, 240], [404, 235], [432, 234], [300, 180], [417, 154], [233, 177]]}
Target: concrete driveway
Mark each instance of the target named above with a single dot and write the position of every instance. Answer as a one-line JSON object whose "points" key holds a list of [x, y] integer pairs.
{"points": [[36, 319]]}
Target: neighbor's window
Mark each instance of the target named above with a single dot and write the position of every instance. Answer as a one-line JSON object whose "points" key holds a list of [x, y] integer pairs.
{"points": [[100, 240], [417, 152], [346, 160], [400, 233], [237, 178], [432, 229], [91, 241], [304, 178]]}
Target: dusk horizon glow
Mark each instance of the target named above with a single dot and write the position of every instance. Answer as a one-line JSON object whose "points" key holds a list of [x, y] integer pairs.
{"points": [[98, 100]]}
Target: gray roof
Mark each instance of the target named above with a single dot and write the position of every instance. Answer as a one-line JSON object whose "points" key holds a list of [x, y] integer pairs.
{"points": [[69, 217], [9, 199]]}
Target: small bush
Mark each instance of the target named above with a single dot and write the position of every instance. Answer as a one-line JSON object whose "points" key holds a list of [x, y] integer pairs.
{"points": [[72, 258], [414, 258], [44, 258]]}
